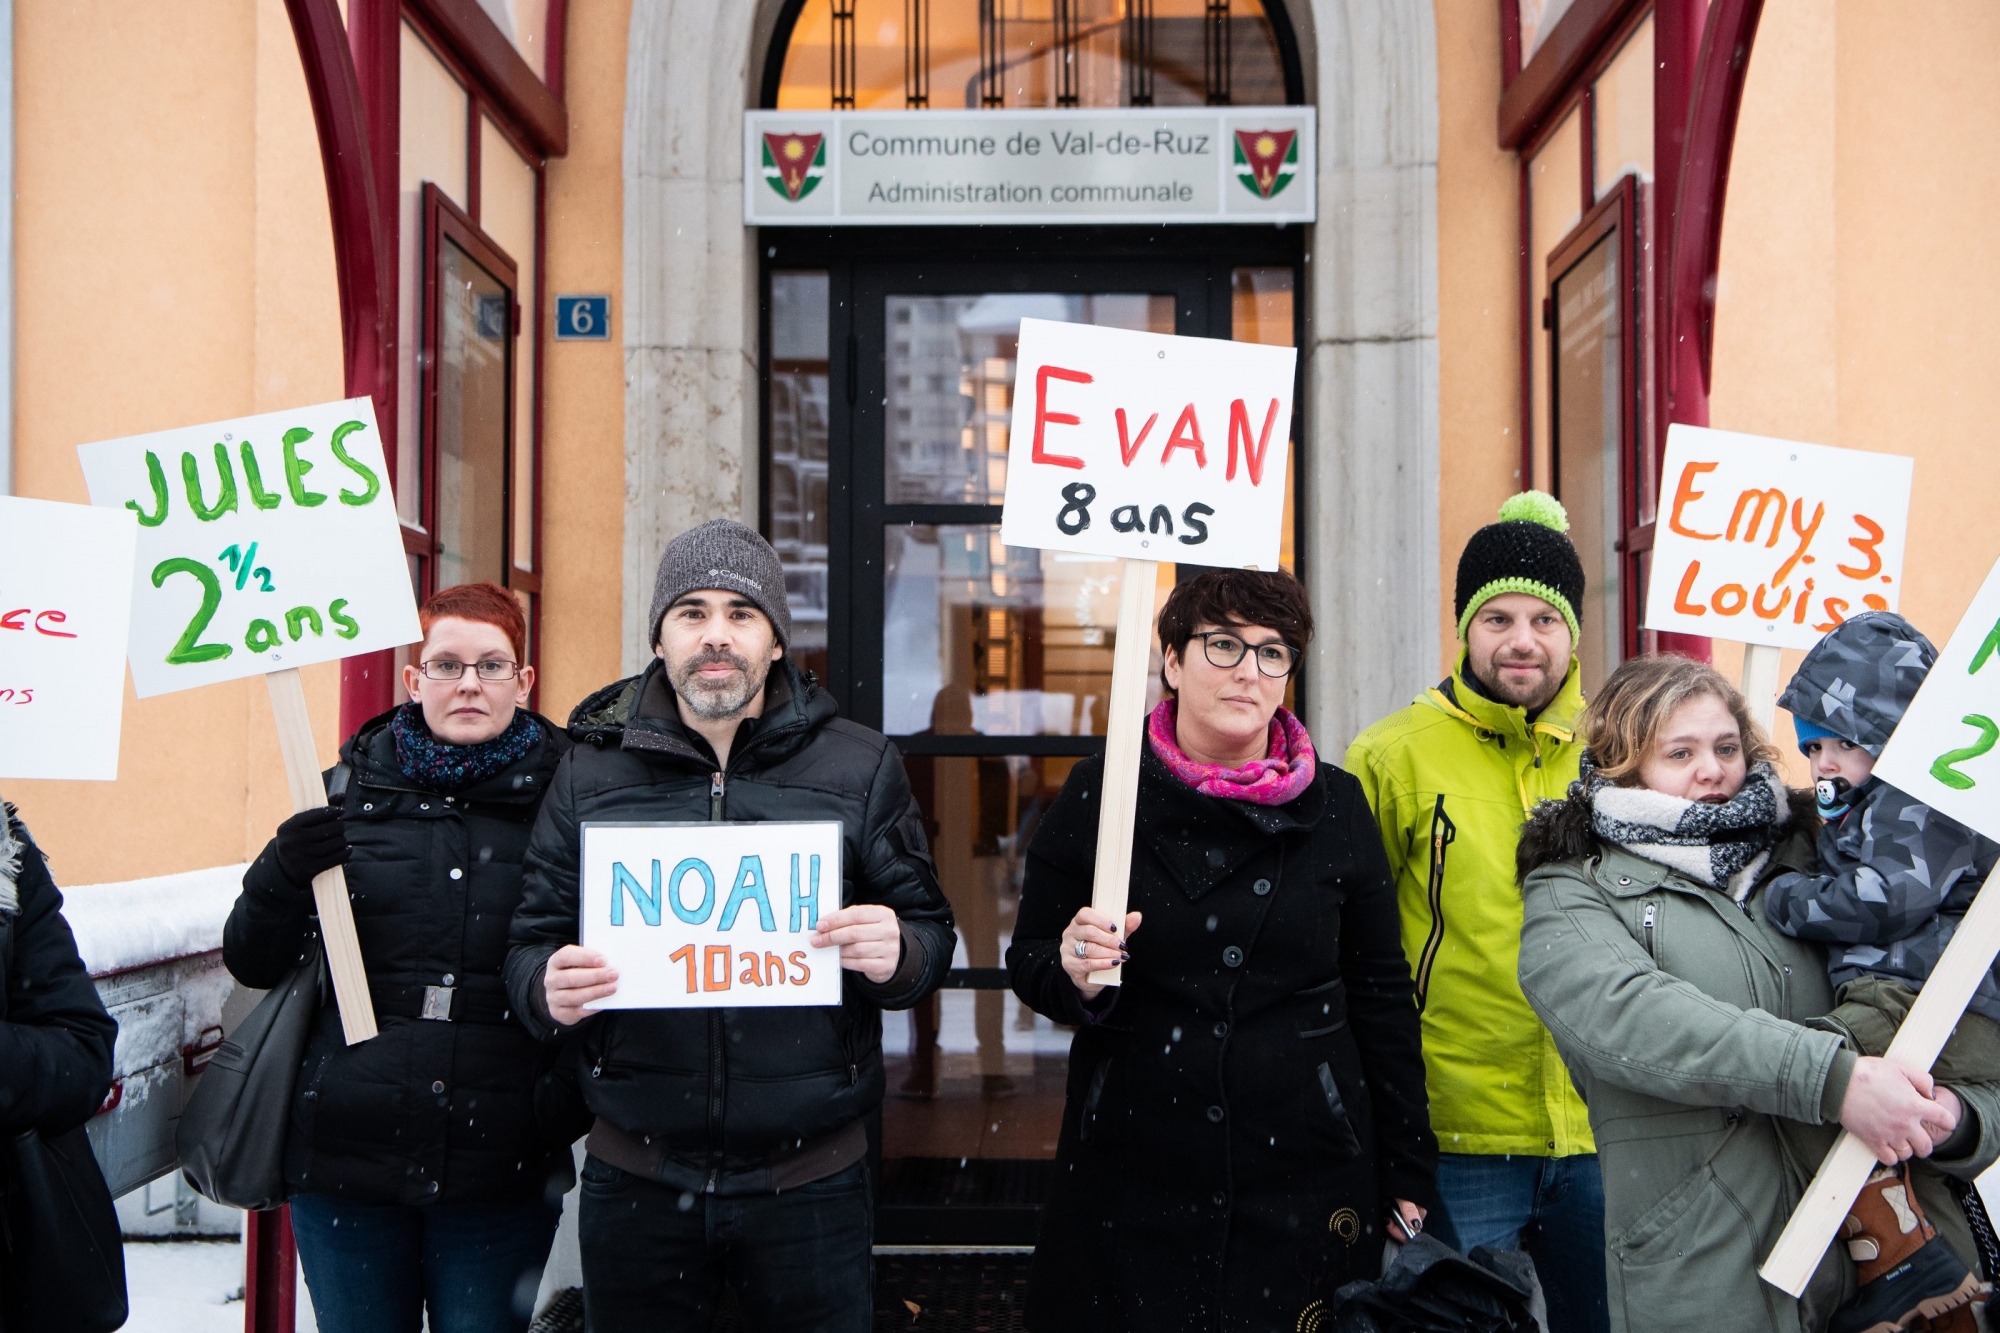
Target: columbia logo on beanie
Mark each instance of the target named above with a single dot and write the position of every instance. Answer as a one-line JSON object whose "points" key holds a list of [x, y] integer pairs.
{"points": [[1528, 551]]}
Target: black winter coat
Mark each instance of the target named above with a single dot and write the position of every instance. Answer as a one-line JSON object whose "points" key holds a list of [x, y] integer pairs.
{"points": [[427, 1111], [55, 1038], [1243, 1108], [724, 1092]]}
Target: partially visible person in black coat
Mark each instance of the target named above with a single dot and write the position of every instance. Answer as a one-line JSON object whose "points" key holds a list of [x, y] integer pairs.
{"points": [[1246, 1111], [424, 1162], [55, 1038]]}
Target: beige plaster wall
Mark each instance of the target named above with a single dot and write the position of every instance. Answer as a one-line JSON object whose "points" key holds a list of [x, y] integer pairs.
{"points": [[1478, 239], [583, 404], [174, 264], [1859, 295]]}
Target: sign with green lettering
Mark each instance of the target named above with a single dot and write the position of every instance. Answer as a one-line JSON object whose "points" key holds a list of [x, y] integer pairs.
{"points": [[265, 543], [1946, 750]]}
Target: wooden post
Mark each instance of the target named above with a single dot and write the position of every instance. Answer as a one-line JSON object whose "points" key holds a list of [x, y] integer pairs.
{"points": [[1124, 731], [336, 913], [1760, 681], [1939, 1006]]}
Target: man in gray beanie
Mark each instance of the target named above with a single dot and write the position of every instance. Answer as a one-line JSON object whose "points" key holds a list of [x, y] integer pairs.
{"points": [[730, 1144]]}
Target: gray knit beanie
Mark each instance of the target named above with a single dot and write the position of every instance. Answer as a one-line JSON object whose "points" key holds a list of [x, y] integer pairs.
{"points": [[722, 554]]}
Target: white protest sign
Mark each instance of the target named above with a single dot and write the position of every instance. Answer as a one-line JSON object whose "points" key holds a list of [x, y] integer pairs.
{"points": [[265, 543], [698, 916], [1771, 542], [65, 608], [1147, 446], [1942, 751]]}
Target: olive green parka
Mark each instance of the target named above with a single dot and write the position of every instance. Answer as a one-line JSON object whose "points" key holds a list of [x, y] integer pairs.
{"points": [[1679, 1013]]}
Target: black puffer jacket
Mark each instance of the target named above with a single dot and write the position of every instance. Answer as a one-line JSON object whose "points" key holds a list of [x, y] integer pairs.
{"points": [[724, 1091], [427, 1111], [55, 1038], [1241, 1110]]}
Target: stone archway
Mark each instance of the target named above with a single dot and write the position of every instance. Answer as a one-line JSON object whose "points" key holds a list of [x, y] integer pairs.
{"points": [[1369, 480]]}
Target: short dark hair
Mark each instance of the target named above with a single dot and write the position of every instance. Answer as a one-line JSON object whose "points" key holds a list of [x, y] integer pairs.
{"points": [[485, 603], [1242, 597]]}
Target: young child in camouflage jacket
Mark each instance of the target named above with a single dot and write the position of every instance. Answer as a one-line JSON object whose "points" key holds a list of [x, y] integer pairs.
{"points": [[1894, 881]]}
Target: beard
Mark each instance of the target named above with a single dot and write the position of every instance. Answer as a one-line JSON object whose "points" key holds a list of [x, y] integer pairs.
{"points": [[1535, 693], [713, 700]]}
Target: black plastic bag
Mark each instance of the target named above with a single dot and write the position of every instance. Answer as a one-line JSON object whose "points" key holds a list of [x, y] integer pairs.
{"points": [[1431, 1288]]}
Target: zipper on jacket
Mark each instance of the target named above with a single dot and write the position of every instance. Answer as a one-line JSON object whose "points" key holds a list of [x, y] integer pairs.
{"points": [[715, 797], [1443, 834], [1646, 925], [715, 1040]]}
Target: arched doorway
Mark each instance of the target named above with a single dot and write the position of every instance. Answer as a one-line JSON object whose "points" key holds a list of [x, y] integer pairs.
{"points": [[887, 390]]}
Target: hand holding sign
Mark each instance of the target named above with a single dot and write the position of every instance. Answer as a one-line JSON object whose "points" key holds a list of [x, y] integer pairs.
{"points": [[265, 544], [65, 608], [1147, 447]]}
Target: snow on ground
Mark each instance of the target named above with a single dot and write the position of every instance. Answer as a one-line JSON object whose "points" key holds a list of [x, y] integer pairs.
{"points": [[191, 1287], [139, 921]]}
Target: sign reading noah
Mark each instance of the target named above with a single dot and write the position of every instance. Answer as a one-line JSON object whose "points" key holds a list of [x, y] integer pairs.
{"points": [[1123, 165]]}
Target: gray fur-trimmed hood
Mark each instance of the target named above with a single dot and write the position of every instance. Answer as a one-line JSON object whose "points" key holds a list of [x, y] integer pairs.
{"points": [[10, 863]]}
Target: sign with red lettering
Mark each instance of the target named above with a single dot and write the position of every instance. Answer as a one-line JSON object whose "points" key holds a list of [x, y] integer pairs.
{"points": [[1774, 542], [1147, 446], [706, 916], [65, 611]]}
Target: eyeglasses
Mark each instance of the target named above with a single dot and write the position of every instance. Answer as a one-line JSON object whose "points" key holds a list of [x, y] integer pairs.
{"points": [[1224, 649], [491, 673]]}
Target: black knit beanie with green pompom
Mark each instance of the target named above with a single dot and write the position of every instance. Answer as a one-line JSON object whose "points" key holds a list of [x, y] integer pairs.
{"points": [[1526, 551]]}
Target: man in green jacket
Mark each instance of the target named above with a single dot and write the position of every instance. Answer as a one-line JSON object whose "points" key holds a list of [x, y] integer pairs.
{"points": [[1451, 778]]}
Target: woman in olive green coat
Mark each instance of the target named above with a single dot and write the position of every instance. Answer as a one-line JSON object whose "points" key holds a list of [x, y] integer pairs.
{"points": [[1680, 1012]]}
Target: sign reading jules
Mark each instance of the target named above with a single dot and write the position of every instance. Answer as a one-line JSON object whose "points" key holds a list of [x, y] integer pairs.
{"points": [[1137, 164]]}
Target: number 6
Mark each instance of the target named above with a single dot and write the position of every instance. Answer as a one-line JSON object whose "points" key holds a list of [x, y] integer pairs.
{"points": [[580, 320]]}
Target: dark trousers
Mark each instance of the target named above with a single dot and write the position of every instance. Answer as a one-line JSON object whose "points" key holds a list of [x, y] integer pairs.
{"points": [[374, 1268], [1552, 1207], [655, 1258]]}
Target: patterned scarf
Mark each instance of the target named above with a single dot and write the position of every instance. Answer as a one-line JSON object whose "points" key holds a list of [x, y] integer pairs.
{"points": [[1286, 769], [1725, 845], [440, 766]]}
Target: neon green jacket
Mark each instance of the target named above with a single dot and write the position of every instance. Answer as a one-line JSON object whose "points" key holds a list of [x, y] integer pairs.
{"points": [[1451, 778]]}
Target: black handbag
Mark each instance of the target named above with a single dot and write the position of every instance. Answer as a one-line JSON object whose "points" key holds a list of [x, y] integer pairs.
{"points": [[231, 1139], [65, 1259]]}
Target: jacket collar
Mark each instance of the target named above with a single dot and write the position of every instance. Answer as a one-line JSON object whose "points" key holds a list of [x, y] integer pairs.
{"points": [[1457, 698], [1200, 841]]}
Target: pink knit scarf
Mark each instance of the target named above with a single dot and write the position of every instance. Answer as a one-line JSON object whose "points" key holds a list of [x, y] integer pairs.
{"points": [[1286, 769]]}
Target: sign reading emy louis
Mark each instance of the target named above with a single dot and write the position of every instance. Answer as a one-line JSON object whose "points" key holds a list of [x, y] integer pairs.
{"points": [[1774, 542], [1946, 750], [712, 915], [264, 543], [65, 606], [1147, 446]]}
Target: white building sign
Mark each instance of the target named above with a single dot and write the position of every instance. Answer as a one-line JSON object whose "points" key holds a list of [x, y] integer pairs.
{"points": [[1127, 165]]}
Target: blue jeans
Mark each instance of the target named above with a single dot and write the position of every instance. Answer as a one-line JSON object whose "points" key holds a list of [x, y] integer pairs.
{"points": [[373, 1268], [1552, 1207], [656, 1257]]}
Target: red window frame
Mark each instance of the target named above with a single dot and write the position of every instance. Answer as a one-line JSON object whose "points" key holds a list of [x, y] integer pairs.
{"points": [[1619, 214]]}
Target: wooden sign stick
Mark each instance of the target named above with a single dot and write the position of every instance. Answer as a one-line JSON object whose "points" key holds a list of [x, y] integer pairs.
{"points": [[1760, 681], [336, 913], [1939, 1006], [1124, 731]]}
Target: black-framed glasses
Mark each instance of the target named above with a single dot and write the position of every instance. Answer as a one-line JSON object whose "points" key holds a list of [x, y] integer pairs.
{"points": [[491, 673], [1225, 649]]}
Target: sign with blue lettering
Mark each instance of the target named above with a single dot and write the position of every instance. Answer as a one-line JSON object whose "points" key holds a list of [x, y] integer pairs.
{"points": [[702, 916], [583, 318]]}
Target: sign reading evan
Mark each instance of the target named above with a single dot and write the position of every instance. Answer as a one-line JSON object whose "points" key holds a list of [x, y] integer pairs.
{"points": [[265, 543], [1773, 542], [1148, 446], [1943, 751], [65, 605], [711, 915]]}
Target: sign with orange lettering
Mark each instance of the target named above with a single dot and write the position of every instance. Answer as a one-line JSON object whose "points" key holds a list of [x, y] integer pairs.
{"points": [[65, 611], [1147, 446], [1773, 542], [707, 916]]}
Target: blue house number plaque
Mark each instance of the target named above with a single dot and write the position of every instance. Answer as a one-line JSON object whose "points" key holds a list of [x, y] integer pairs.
{"points": [[583, 317]]}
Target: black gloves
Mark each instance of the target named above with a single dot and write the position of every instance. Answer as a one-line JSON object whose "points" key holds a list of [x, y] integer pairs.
{"points": [[309, 842]]}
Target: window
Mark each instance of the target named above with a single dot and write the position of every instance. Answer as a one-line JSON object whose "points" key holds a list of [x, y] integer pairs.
{"points": [[892, 54]]}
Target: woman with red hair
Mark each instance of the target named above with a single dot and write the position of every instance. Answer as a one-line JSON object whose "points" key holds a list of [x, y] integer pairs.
{"points": [[426, 1166]]}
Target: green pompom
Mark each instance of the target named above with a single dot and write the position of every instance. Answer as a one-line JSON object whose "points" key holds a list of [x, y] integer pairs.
{"points": [[1535, 507]]}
